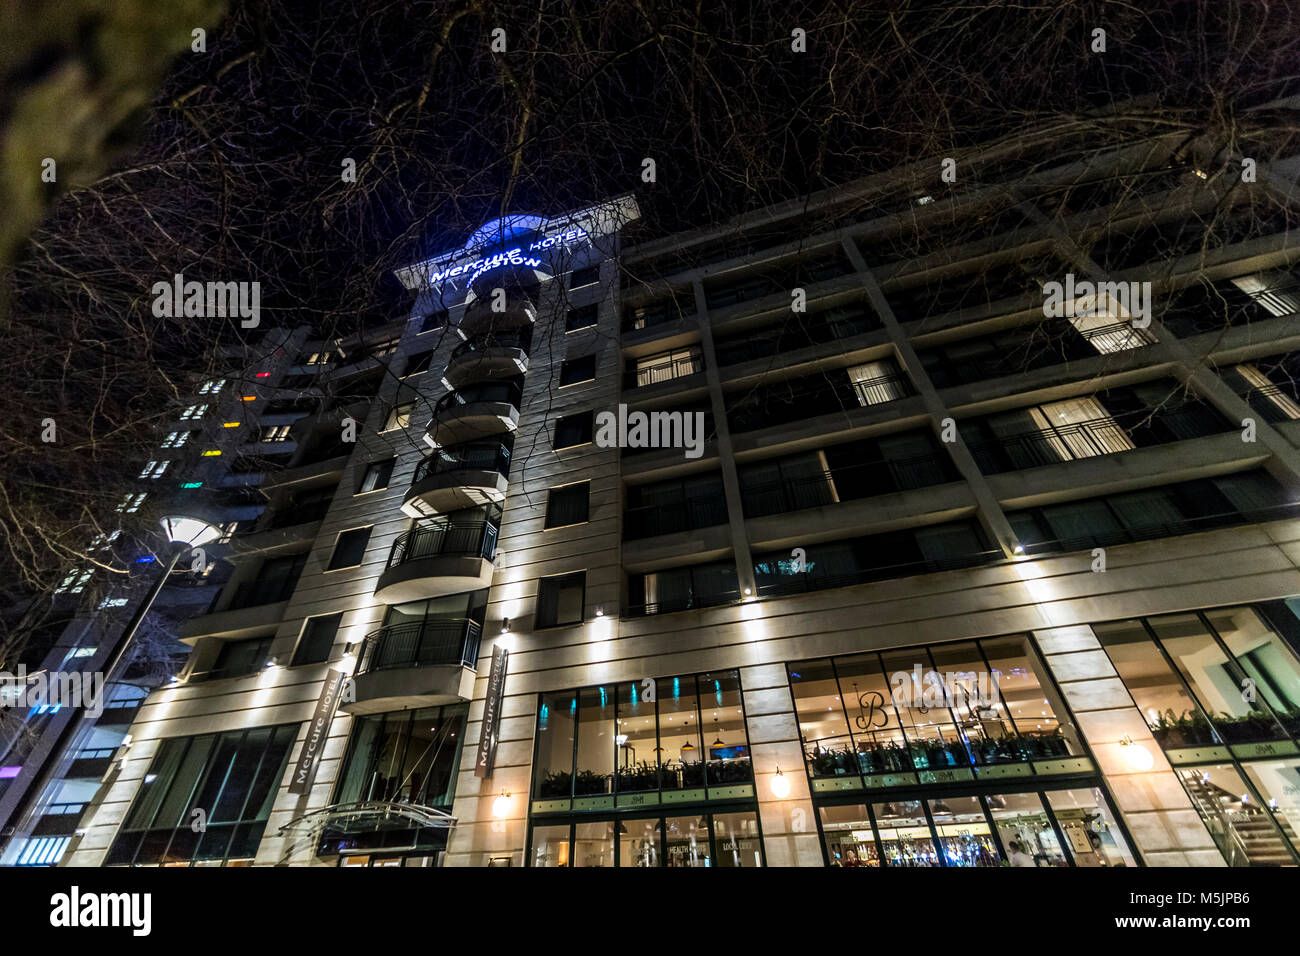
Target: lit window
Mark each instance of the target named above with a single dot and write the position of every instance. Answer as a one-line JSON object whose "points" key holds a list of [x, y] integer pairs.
{"points": [[248, 398], [175, 439], [102, 540], [1267, 288], [876, 383], [75, 582], [131, 502], [194, 411], [273, 433], [262, 374], [399, 416], [230, 424], [212, 387], [212, 453], [192, 484], [1262, 385]]}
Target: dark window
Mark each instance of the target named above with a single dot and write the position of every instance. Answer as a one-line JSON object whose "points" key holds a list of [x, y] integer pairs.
{"points": [[404, 757], [587, 276], [377, 476], [574, 430], [349, 549], [583, 318], [578, 370], [568, 505], [317, 639], [417, 363], [434, 320], [240, 658], [560, 599], [233, 777], [275, 581]]}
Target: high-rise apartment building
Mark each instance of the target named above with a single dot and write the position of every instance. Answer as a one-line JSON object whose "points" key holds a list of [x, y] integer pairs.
{"points": [[881, 528]]}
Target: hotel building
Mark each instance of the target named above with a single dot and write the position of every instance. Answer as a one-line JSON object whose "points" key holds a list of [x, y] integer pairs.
{"points": [[940, 579]]}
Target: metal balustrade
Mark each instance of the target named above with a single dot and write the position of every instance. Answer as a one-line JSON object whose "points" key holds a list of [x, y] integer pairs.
{"points": [[664, 370], [849, 483], [442, 537], [494, 456], [505, 339], [429, 642], [667, 518], [1093, 438]]}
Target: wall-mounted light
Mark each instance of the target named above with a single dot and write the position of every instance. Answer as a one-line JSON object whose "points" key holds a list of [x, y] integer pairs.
{"points": [[600, 612], [501, 805], [1139, 758], [505, 625], [1018, 549], [748, 591], [780, 784]]}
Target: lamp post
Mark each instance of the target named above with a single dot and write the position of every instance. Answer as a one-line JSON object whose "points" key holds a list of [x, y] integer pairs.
{"points": [[185, 534]]}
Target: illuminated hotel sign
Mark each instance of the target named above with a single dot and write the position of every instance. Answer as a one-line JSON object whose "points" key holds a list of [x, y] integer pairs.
{"points": [[514, 257]]}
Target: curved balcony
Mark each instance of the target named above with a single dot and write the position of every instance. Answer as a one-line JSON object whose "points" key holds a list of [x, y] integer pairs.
{"points": [[491, 355], [519, 313], [476, 411], [460, 477], [445, 555], [416, 664]]}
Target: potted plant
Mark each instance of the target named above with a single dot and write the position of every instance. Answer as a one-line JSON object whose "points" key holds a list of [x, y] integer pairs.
{"points": [[1248, 728], [555, 784], [588, 782]]}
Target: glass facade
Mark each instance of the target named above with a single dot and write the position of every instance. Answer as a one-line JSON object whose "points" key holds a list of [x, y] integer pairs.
{"points": [[1220, 692], [606, 754], [205, 800], [970, 710]]}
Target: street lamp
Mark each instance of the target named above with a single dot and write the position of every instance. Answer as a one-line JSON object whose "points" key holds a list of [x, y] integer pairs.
{"points": [[185, 534]]}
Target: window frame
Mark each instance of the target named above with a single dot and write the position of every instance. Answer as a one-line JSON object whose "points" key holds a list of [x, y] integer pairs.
{"points": [[551, 498], [556, 579], [338, 539]]}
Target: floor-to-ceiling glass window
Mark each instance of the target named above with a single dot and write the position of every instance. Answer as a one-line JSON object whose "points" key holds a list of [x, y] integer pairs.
{"points": [[1220, 692], [652, 772]]}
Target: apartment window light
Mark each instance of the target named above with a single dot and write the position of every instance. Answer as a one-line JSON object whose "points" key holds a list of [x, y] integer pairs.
{"points": [[212, 387], [273, 433], [192, 484], [154, 469], [1264, 386], [1266, 289], [75, 582], [212, 453], [194, 411], [131, 502], [877, 383], [248, 398]]}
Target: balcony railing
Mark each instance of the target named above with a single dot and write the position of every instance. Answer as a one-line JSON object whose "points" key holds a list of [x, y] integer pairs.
{"points": [[505, 339], [444, 539], [765, 344], [1274, 403], [785, 402], [845, 484], [493, 456], [1093, 438], [695, 599], [688, 515], [507, 392], [427, 643], [799, 582], [663, 370]]}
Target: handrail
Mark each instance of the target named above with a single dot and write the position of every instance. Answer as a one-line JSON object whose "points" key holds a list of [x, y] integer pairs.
{"points": [[665, 370], [424, 643], [828, 487], [507, 392], [521, 338], [688, 514], [441, 538], [472, 457]]}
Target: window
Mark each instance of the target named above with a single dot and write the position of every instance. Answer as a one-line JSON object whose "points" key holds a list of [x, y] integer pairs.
{"points": [[233, 777], [131, 503], [578, 370], [75, 581], [433, 321], [275, 581], [561, 599], [877, 382], [404, 757], [313, 358], [273, 433], [568, 505], [417, 363], [667, 366], [583, 318], [193, 411], [377, 475], [212, 387], [574, 430], [240, 658], [175, 439], [677, 589], [584, 277], [349, 549], [154, 469], [399, 416], [317, 639]]}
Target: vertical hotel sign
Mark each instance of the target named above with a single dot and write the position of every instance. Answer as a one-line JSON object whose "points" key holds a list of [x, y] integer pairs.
{"points": [[317, 733], [487, 740]]}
